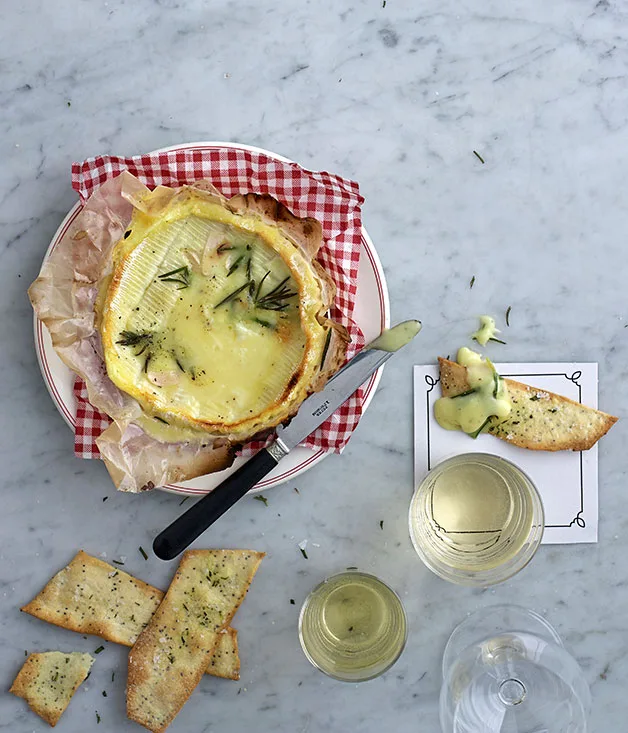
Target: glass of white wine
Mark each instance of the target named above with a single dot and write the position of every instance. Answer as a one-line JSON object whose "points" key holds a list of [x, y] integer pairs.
{"points": [[505, 670], [476, 519], [352, 626]]}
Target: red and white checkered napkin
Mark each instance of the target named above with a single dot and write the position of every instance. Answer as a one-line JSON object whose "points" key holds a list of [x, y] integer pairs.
{"points": [[334, 201]]}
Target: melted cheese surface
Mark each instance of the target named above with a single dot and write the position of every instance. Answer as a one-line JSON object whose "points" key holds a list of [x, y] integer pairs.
{"points": [[209, 323]]}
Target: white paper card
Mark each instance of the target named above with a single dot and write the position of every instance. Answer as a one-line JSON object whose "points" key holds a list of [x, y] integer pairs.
{"points": [[566, 480]]}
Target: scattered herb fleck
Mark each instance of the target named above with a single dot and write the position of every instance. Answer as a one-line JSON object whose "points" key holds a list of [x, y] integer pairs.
{"points": [[497, 341], [381, 524], [261, 498], [304, 553], [472, 282], [113, 676], [118, 562], [292, 602], [25, 653], [97, 717], [105, 498], [350, 628], [534, 398], [384, 4], [143, 552], [100, 649], [104, 693], [69, 103], [352, 568], [127, 233], [171, 658], [604, 672], [478, 156], [183, 500], [297, 490], [161, 420], [55, 676], [508, 315]]}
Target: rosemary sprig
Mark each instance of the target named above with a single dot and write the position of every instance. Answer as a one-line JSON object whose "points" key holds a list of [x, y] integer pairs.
{"points": [[181, 276], [274, 300], [130, 338]]}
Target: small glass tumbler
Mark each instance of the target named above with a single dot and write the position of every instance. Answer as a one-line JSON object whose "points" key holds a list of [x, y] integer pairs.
{"points": [[352, 626], [476, 519]]}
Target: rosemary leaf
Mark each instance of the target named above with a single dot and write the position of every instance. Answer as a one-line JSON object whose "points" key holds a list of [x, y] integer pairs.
{"points": [[497, 341], [496, 381], [508, 315], [143, 552], [261, 498], [479, 157], [234, 265], [475, 433], [232, 295], [463, 394], [472, 282], [325, 348], [261, 282]]}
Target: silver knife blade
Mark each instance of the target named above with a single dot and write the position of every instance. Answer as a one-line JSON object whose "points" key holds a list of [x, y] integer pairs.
{"points": [[320, 405]]}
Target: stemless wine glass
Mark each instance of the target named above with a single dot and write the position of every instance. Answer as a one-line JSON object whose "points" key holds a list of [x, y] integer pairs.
{"points": [[476, 519], [505, 670], [352, 626]]}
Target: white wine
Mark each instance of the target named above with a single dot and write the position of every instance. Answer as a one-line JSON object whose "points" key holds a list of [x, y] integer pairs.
{"points": [[476, 519], [352, 626]]}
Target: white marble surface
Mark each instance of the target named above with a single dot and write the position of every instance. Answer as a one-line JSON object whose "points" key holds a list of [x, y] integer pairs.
{"points": [[397, 97]]}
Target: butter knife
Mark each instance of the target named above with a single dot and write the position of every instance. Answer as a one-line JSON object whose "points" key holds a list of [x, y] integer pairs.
{"points": [[313, 411]]}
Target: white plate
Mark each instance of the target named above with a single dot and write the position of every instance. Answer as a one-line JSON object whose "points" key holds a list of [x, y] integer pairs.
{"points": [[372, 314]]}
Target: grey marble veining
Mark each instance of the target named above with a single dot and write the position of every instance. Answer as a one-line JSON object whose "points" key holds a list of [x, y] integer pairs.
{"points": [[397, 97]]}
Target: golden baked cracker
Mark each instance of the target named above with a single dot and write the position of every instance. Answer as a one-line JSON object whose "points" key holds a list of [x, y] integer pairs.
{"points": [[539, 420], [225, 660], [47, 681], [172, 652], [92, 597]]}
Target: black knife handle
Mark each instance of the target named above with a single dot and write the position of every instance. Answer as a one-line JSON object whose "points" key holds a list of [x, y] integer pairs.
{"points": [[192, 523]]}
